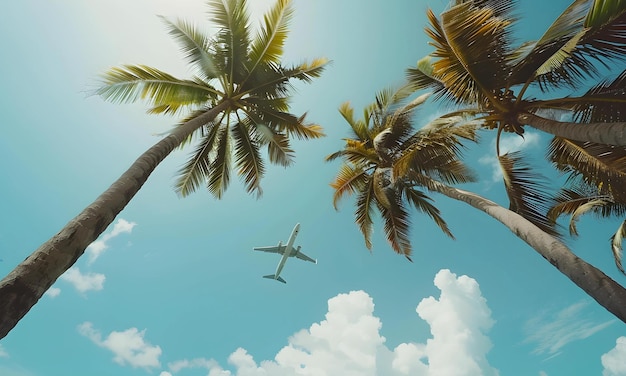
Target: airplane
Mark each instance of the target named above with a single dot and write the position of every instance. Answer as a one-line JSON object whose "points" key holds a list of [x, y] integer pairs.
{"points": [[287, 251]]}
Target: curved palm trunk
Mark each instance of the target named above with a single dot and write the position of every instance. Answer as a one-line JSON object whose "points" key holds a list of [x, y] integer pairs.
{"points": [[610, 294], [600, 133], [22, 287]]}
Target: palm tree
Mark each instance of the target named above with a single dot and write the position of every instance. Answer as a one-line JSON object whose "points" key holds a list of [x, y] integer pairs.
{"points": [[475, 66], [246, 111], [384, 139], [388, 166]]}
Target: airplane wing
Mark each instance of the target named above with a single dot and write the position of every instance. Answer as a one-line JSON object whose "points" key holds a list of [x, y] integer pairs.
{"points": [[276, 249], [304, 257]]}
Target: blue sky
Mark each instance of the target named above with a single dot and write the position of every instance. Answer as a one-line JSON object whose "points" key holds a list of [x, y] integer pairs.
{"points": [[173, 286]]}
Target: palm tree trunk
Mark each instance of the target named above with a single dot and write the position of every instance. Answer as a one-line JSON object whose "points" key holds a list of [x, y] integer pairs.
{"points": [[600, 133], [21, 288], [608, 293]]}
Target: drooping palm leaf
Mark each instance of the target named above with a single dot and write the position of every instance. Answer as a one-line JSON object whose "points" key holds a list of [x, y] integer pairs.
{"points": [[528, 195], [219, 171], [602, 166], [605, 102], [197, 169], [364, 208], [396, 227], [349, 180], [247, 157], [422, 203]]}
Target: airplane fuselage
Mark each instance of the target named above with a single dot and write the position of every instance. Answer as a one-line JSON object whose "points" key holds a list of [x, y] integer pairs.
{"points": [[289, 250]]}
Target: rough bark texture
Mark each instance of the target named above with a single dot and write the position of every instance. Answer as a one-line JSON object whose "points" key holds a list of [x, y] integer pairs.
{"points": [[608, 293], [21, 288], [601, 133]]}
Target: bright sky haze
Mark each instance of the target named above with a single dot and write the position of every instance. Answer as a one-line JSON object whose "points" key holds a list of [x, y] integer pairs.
{"points": [[173, 287]]}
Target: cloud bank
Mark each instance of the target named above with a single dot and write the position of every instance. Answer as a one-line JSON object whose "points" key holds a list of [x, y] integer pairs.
{"points": [[348, 342], [128, 347]]}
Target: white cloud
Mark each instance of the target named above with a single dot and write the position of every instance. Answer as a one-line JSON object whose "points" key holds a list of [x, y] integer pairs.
{"points": [[508, 143], [3, 352], [543, 373], [348, 342], [165, 373], [84, 282], [551, 332], [53, 292], [95, 249], [614, 361], [129, 346]]}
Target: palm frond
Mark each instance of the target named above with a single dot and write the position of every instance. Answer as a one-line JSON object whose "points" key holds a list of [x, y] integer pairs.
{"points": [[289, 123], [422, 203], [232, 40], [616, 246], [599, 165], [359, 127], [605, 102], [396, 227], [220, 168], [197, 169], [471, 75], [528, 195], [364, 209], [279, 150], [195, 45], [549, 61], [349, 180], [605, 38], [267, 47], [131, 83], [247, 158], [421, 77]]}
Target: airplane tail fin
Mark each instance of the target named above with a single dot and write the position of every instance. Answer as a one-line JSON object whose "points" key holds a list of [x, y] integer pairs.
{"points": [[273, 276]]}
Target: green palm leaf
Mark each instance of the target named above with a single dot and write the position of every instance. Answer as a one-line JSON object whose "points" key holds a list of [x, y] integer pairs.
{"points": [[396, 227], [195, 45], [349, 180], [528, 195], [247, 158], [219, 173], [422, 203], [545, 61], [268, 45], [605, 102], [198, 168], [131, 83], [605, 38], [602, 166], [364, 209], [232, 40], [470, 74]]}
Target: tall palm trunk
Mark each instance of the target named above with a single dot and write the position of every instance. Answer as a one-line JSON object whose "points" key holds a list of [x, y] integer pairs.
{"points": [[22, 287], [600, 133], [610, 294]]}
